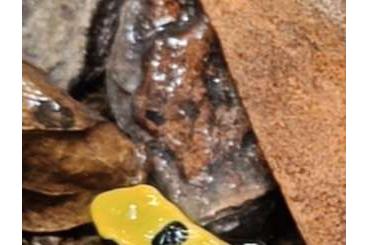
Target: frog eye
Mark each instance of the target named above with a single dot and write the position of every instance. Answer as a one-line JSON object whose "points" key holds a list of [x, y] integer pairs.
{"points": [[175, 233]]}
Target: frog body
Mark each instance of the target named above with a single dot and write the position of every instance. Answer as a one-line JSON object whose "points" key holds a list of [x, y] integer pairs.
{"points": [[140, 215]]}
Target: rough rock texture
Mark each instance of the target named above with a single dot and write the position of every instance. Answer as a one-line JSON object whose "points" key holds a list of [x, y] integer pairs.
{"points": [[54, 36], [84, 235], [68, 39], [56, 240], [288, 58]]}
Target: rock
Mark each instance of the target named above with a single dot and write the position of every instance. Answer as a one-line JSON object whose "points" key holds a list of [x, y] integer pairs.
{"points": [[288, 59], [40, 240], [68, 39], [60, 239]]}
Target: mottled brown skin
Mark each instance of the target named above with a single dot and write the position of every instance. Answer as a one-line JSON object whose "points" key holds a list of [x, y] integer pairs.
{"points": [[140, 21], [183, 107], [192, 120]]}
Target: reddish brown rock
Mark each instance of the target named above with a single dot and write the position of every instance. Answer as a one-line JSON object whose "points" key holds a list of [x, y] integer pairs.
{"points": [[288, 59]]}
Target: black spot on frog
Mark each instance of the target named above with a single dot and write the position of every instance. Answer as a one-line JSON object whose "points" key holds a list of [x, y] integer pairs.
{"points": [[175, 233]]}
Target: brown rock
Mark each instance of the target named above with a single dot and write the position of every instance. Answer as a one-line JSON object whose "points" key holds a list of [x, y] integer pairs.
{"points": [[288, 58]]}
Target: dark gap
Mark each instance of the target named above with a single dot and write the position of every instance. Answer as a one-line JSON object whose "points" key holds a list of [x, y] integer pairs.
{"points": [[100, 38], [279, 227]]}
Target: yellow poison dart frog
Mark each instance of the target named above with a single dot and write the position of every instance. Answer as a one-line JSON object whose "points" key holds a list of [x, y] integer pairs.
{"points": [[140, 215]]}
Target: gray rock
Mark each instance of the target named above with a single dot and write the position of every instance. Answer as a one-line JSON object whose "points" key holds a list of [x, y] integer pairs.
{"points": [[55, 36], [68, 39]]}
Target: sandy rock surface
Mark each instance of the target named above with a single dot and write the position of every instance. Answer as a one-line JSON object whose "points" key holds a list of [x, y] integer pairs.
{"points": [[288, 58]]}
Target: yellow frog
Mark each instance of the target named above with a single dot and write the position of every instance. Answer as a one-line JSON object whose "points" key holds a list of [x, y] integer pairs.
{"points": [[140, 215]]}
